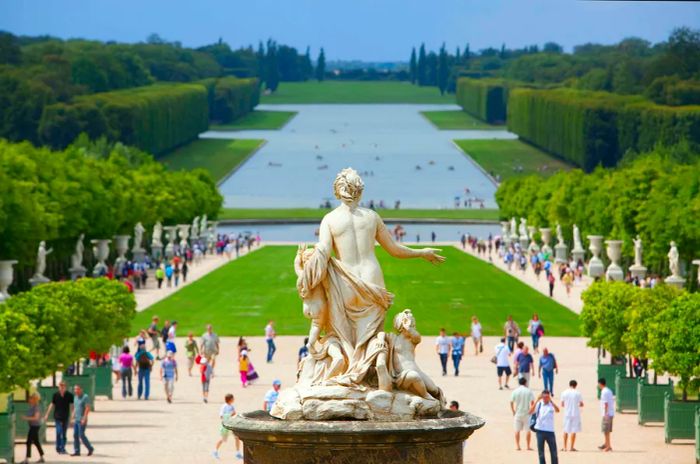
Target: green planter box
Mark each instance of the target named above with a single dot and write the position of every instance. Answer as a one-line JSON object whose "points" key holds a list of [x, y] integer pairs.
{"points": [[86, 381], [650, 401], [697, 436], [609, 373], [7, 431], [679, 418], [46, 394], [103, 379], [626, 393], [21, 425]]}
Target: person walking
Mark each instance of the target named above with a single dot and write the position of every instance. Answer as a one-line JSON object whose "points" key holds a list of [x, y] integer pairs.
{"points": [[164, 333], [511, 331], [205, 370], [169, 375], [176, 274], [143, 365], [502, 362], [154, 333], [525, 365], [547, 367], [571, 403], [160, 276], [457, 344], [476, 335], [243, 367], [521, 400], [533, 328], [169, 274], [192, 350], [61, 403], [607, 410], [81, 410], [272, 395], [185, 270], [126, 363], [270, 339], [227, 411], [209, 346], [442, 348], [33, 418], [544, 410], [550, 281]]}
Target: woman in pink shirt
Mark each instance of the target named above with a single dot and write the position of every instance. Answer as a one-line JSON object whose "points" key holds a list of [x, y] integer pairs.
{"points": [[126, 363]]}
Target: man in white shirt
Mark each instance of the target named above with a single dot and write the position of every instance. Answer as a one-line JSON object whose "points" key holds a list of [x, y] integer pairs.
{"points": [[270, 339], [544, 410], [502, 362], [521, 401], [607, 410], [443, 346], [571, 403]]}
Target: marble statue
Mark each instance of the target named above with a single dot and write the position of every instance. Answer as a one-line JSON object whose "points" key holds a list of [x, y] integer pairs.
{"points": [[560, 235], [355, 370], [138, 237], [76, 258], [523, 228], [513, 225], [637, 251], [577, 238], [203, 227], [194, 231], [157, 239], [673, 261], [41, 254]]}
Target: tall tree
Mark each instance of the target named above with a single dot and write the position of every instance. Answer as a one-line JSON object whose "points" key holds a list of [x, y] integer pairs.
{"points": [[458, 56], [306, 67], [260, 57], [413, 67], [422, 68], [321, 66], [503, 52], [443, 71], [466, 55], [272, 72], [431, 63]]}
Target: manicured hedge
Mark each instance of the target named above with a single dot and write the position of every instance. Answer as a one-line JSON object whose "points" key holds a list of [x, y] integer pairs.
{"points": [[233, 98], [484, 98], [155, 118], [592, 128]]}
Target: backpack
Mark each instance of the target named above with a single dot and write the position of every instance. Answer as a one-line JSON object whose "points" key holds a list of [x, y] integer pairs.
{"points": [[144, 362]]}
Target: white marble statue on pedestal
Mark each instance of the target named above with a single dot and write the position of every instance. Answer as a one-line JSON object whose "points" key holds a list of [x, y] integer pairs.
{"points": [[203, 228], [138, 237], [194, 230], [41, 254], [157, 239], [637, 269], [354, 370], [560, 235], [577, 238], [76, 258], [674, 266]]}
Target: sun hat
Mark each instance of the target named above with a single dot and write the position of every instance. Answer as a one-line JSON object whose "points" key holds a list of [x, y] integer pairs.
{"points": [[276, 382]]}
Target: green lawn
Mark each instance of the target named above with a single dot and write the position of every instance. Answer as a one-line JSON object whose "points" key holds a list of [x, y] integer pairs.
{"points": [[257, 120], [241, 296], [315, 213], [217, 156], [506, 157], [355, 92], [456, 120]]}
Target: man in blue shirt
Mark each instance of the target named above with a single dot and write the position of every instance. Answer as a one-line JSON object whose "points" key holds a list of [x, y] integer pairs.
{"points": [[81, 409], [457, 350], [548, 366], [525, 365], [272, 395]]}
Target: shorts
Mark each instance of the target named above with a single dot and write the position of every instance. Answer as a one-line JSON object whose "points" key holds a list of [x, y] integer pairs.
{"points": [[224, 432], [503, 369], [169, 386], [190, 361], [521, 423], [205, 386], [156, 341], [572, 424], [606, 424]]}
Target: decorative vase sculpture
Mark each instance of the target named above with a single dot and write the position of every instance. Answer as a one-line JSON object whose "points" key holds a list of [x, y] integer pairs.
{"points": [[595, 265], [6, 277], [39, 278], [363, 386], [637, 269], [170, 236], [614, 251], [577, 252], [77, 270], [101, 248], [546, 234], [505, 232], [675, 278], [157, 241], [184, 233], [533, 247], [121, 245]]}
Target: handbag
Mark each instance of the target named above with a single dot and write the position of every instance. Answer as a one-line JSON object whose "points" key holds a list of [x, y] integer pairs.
{"points": [[495, 357], [533, 418]]}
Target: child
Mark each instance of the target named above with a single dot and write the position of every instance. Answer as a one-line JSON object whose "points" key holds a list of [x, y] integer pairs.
{"points": [[227, 410], [315, 305], [192, 350], [243, 367], [205, 369]]}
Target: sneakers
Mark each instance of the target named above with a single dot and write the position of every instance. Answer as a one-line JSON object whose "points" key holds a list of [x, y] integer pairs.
{"points": [[215, 454], [41, 459], [239, 455], [91, 452], [205, 400]]}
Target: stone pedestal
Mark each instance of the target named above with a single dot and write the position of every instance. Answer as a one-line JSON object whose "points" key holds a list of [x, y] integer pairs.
{"points": [[77, 272], [139, 255], [438, 440], [676, 281], [638, 271], [578, 254], [524, 241], [560, 253], [6, 277], [157, 252], [38, 280]]}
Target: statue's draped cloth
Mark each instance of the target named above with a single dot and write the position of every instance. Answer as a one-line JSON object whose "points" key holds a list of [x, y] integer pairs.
{"points": [[356, 313]]}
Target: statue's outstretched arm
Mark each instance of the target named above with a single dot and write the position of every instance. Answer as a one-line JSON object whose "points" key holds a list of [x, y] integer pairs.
{"points": [[399, 251]]}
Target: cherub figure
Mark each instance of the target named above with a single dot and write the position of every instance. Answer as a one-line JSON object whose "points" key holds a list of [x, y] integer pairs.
{"points": [[315, 304]]}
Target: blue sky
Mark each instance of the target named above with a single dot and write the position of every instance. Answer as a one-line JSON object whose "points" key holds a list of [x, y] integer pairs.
{"points": [[372, 30]]}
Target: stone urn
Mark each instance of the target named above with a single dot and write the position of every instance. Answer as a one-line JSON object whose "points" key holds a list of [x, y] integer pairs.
{"points": [[6, 277], [101, 247], [121, 245], [596, 268], [614, 251], [546, 233]]}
